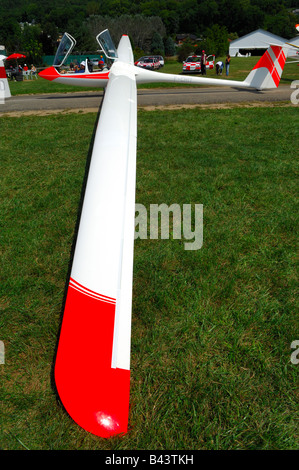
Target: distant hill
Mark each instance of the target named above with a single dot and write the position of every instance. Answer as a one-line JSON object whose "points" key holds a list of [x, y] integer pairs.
{"points": [[49, 18]]}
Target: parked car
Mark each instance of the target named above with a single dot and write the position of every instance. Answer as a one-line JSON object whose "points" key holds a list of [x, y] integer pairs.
{"points": [[192, 63], [141, 59], [160, 59], [151, 63]]}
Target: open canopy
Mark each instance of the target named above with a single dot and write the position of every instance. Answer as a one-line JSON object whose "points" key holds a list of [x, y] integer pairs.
{"points": [[105, 41], [67, 44], [65, 47]]}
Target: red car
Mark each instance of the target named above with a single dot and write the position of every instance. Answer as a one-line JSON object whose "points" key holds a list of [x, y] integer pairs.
{"points": [[192, 63]]}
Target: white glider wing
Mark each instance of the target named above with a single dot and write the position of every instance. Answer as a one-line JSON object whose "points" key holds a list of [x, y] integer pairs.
{"points": [[92, 370]]}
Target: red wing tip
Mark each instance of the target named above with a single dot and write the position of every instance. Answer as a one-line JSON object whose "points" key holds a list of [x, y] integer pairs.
{"points": [[101, 409], [95, 395]]}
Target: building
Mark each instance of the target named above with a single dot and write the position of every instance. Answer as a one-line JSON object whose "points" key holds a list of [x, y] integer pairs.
{"points": [[182, 38], [254, 43]]}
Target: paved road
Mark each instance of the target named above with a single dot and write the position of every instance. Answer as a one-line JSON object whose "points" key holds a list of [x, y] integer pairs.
{"points": [[146, 97]]}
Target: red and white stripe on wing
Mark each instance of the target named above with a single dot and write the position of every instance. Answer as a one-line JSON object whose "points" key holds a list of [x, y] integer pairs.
{"points": [[84, 290]]}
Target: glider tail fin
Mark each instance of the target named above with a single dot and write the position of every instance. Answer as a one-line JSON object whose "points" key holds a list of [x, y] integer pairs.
{"points": [[4, 86], [267, 72]]}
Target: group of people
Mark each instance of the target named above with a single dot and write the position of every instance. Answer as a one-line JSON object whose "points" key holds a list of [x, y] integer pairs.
{"points": [[19, 71], [219, 65], [80, 68]]}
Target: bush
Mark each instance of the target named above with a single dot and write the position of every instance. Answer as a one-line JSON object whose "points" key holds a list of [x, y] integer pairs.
{"points": [[169, 46], [184, 50], [138, 53]]}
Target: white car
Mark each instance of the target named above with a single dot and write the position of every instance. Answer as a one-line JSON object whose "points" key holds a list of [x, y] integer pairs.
{"points": [[151, 63], [193, 63], [160, 59]]}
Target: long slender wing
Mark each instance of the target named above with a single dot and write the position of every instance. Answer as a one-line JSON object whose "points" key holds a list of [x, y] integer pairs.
{"points": [[92, 369]]}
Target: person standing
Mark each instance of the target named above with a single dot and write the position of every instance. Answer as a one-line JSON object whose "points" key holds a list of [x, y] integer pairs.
{"points": [[33, 72], [26, 71], [227, 63], [203, 63]]}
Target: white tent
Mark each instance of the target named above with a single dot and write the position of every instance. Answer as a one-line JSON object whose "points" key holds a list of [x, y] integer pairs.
{"points": [[293, 52], [258, 39]]}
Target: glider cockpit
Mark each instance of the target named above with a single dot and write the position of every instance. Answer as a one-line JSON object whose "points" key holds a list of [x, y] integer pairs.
{"points": [[86, 73], [67, 44]]}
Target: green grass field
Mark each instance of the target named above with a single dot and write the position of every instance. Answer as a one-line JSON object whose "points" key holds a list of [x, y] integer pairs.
{"points": [[240, 67], [211, 329]]}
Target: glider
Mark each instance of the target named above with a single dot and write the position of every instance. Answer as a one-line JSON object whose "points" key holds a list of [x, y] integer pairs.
{"points": [[92, 367], [266, 74]]}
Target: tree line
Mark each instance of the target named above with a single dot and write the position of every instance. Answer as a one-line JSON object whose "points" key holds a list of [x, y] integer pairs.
{"points": [[34, 27]]}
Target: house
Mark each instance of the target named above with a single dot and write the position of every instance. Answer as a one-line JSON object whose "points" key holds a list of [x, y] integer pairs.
{"points": [[181, 38]]}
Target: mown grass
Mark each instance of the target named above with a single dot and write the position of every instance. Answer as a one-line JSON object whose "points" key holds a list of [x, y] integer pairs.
{"points": [[240, 68], [212, 328]]}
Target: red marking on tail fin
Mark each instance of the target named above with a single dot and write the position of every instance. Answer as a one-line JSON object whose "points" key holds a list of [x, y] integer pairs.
{"points": [[265, 61], [276, 77], [2, 72], [282, 59], [278, 51]]}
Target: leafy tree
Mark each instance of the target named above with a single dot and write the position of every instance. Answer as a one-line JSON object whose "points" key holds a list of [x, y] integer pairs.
{"points": [[138, 53], [10, 34], [169, 47], [157, 46], [141, 29], [93, 8], [171, 21], [30, 43], [48, 38], [144, 17], [208, 13], [216, 41], [283, 24], [183, 51]]}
